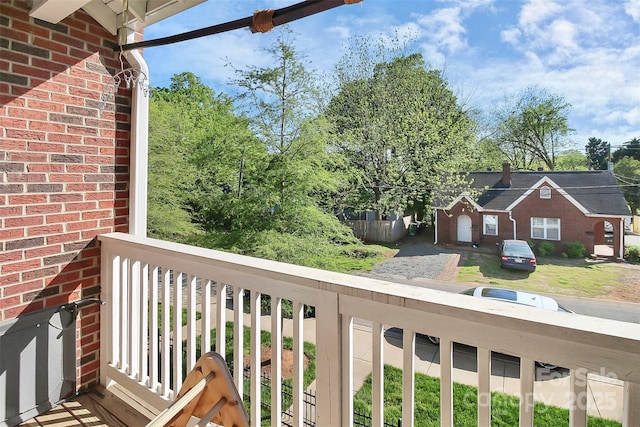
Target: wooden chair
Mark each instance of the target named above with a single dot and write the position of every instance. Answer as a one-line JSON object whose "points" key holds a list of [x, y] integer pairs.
{"points": [[208, 393]]}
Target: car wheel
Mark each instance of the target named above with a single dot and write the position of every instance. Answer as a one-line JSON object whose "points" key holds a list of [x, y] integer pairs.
{"points": [[434, 340]]}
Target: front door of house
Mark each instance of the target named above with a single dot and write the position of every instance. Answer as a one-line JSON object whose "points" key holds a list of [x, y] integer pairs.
{"points": [[464, 228]]}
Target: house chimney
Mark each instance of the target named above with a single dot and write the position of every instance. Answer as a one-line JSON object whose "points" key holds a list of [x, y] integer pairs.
{"points": [[506, 174]]}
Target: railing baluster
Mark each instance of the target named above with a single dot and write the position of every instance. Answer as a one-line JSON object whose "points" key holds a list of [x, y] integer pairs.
{"points": [[527, 373], [631, 405], [298, 365], [347, 370], [221, 318], [578, 393], [191, 322], [276, 361], [238, 338], [177, 332], [166, 333], [377, 381], [154, 349], [134, 318], [108, 327], [124, 315], [484, 387], [143, 339], [256, 386], [408, 377], [446, 382], [206, 316]]}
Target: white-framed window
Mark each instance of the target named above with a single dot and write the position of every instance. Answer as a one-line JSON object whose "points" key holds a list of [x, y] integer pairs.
{"points": [[490, 224], [545, 228], [545, 192]]}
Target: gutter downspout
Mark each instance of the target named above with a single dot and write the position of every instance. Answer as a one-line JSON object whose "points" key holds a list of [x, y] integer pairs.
{"points": [[621, 248], [515, 234], [139, 142]]}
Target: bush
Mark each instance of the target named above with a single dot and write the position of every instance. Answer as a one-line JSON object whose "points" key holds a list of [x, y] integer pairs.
{"points": [[632, 253], [575, 249], [546, 248]]}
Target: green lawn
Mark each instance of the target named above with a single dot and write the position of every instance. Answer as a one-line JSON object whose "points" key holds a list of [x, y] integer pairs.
{"points": [[560, 276], [504, 408]]}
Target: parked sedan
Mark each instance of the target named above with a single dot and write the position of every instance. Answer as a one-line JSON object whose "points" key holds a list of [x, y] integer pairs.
{"points": [[516, 254], [517, 297]]}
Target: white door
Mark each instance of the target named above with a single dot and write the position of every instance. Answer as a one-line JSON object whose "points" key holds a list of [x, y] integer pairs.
{"points": [[464, 228]]}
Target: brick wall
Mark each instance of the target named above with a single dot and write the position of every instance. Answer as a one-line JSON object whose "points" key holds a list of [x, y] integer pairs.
{"points": [[63, 167]]}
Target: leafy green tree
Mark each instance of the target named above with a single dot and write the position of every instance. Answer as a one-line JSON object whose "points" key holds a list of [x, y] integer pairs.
{"points": [[627, 172], [629, 149], [571, 160], [282, 102], [533, 128], [398, 125], [211, 155], [598, 152], [168, 217]]}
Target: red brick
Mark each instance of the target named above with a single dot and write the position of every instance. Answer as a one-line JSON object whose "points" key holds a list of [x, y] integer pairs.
{"points": [[27, 114], [64, 137], [30, 307], [83, 206], [83, 225], [47, 126], [46, 167], [84, 168], [96, 214], [40, 273], [20, 266], [23, 287], [63, 238], [10, 256], [42, 251], [28, 157], [61, 299], [11, 301], [65, 197], [10, 211], [63, 217], [14, 123], [81, 187], [46, 209], [46, 147], [27, 199], [30, 71], [11, 233], [45, 230], [26, 177], [25, 134], [9, 279], [37, 104], [66, 177], [24, 221]]}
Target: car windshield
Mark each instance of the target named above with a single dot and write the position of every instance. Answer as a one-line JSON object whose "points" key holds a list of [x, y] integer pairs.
{"points": [[521, 250], [503, 294]]}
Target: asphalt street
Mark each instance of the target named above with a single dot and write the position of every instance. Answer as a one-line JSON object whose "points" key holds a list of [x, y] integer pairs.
{"points": [[429, 258]]}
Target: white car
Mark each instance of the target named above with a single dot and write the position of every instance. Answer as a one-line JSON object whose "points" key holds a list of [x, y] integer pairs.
{"points": [[517, 297]]}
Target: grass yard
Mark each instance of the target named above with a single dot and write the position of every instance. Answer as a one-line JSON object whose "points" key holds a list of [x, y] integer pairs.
{"points": [[580, 278], [504, 408]]}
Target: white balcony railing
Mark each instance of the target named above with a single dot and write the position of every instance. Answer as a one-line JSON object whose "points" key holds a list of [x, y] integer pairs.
{"points": [[140, 276]]}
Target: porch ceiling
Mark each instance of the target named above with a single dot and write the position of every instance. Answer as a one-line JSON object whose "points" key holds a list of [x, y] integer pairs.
{"points": [[141, 13]]}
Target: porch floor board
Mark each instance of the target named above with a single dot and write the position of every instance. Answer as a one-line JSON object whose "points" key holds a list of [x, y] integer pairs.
{"points": [[90, 409]]}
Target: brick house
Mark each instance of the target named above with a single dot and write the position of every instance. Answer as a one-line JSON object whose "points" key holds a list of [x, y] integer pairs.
{"points": [[558, 207]]}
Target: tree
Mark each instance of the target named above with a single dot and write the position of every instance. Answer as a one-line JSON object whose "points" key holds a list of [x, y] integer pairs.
{"points": [[598, 152], [398, 125], [282, 102], [629, 149], [533, 128], [201, 156], [627, 172], [571, 160]]}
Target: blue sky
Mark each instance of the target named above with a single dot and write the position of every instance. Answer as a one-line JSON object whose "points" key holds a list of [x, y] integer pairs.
{"points": [[588, 51]]}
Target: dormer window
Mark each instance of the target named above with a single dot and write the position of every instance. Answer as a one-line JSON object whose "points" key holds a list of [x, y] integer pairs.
{"points": [[545, 192]]}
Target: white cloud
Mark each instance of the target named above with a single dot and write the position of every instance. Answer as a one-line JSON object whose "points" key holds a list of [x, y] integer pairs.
{"points": [[444, 28], [535, 12], [632, 7]]}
